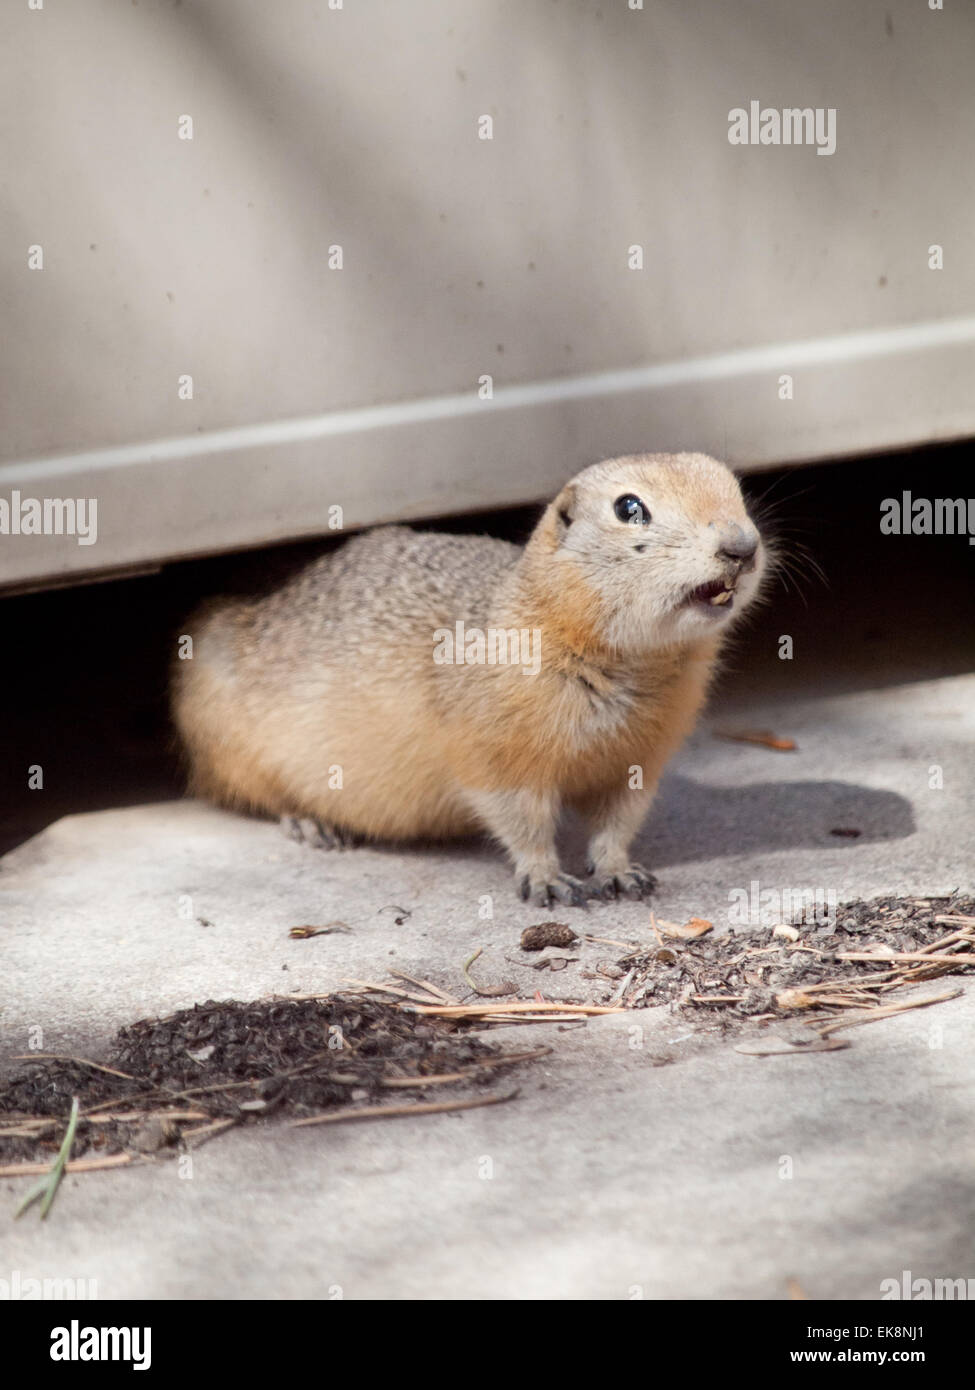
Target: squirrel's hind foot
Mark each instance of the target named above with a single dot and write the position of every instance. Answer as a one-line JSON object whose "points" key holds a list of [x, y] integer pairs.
{"points": [[308, 830]]}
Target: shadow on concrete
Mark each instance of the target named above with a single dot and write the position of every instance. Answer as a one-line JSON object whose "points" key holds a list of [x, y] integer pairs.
{"points": [[696, 820]]}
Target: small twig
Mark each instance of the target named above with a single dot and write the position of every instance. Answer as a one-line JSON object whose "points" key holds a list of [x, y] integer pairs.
{"points": [[763, 737], [887, 1011], [206, 1132], [621, 988], [217, 1086], [425, 984], [384, 1112], [506, 1061], [853, 1000], [952, 937], [852, 982], [329, 929], [610, 941], [319, 994], [75, 1165], [378, 989], [62, 1057], [141, 1116], [965, 958], [519, 1006], [517, 1019], [29, 1127]]}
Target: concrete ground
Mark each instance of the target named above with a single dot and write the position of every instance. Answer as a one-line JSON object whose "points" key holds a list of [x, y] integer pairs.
{"points": [[611, 1175]]}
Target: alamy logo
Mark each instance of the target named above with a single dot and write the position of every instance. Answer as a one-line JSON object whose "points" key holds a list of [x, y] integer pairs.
{"points": [[794, 125], [756, 906], [497, 646], [20, 1288], [926, 1290], [920, 516], [49, 516], [77, 1343]]}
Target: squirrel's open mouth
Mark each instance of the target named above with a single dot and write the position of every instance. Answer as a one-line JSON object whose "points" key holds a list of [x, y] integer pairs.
{"points": [[719, 595]]}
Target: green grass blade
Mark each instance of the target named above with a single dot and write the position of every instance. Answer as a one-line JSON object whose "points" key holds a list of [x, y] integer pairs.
{"points": [[46, 1188]]}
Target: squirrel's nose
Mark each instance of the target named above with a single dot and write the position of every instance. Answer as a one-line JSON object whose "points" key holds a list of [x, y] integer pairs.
{"points": [[737, 544]]}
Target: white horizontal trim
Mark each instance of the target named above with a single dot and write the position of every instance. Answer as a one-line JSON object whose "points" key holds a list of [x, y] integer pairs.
{"points": [[774, 357]]}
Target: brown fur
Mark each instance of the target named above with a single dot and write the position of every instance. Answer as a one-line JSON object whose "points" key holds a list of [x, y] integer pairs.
{"points": [[336, 671]]}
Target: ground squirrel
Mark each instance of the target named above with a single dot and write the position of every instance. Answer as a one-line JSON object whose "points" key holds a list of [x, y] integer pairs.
{"points": [[411, 685]]}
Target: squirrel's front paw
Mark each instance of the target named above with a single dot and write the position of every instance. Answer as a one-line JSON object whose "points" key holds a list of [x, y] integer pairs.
{"points": [[558, 887], [632, 882]]}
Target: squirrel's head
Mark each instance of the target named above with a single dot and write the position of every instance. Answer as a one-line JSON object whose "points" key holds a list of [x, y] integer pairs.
{"points": [[659, 548]]}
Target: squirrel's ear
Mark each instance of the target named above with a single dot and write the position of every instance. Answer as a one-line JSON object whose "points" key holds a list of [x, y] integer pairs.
{"points": [[565, 508]]}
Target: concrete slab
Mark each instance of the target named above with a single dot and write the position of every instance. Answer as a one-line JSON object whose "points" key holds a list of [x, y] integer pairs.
{"points": [[611, 1176]]}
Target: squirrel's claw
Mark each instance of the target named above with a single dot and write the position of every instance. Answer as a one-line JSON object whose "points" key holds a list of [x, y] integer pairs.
{"points": [[633, 882], [561, 888]]}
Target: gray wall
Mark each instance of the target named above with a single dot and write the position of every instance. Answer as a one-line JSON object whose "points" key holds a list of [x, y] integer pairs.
{"points": [[462, 257]]}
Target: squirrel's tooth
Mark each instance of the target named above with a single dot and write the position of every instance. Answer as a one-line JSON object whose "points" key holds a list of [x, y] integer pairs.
{"points": [[723, 597]]}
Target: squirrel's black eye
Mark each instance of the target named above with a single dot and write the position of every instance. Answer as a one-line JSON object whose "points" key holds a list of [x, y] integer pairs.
{"points": [[630, 508]]}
